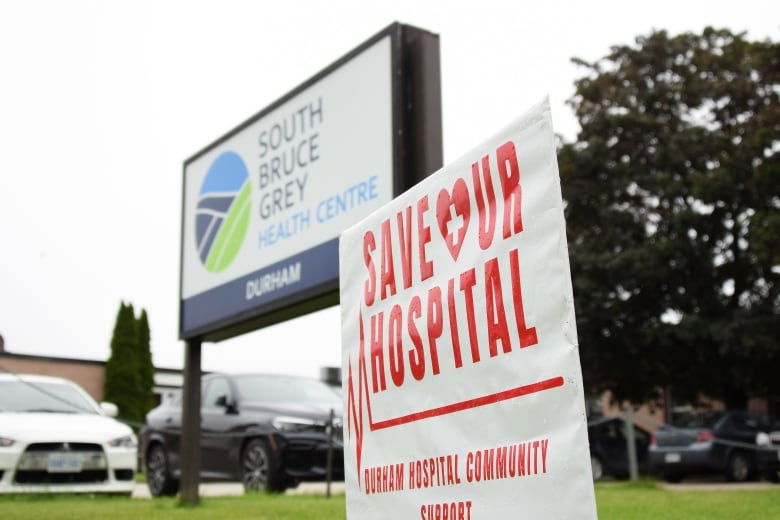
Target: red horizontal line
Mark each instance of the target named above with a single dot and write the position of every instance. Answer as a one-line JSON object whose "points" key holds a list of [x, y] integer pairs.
{"points": [[532, 388]]}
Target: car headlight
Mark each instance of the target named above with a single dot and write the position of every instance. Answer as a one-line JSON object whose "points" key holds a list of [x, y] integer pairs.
{"points": [[298, 425], [762, 439], [127, 441], [6, 442]]}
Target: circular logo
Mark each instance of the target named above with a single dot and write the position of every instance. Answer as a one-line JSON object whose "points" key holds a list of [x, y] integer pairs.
{"points": [[222, 215]]}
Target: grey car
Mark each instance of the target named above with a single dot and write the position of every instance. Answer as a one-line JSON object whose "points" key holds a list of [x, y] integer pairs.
{"points": [[736, 444]]}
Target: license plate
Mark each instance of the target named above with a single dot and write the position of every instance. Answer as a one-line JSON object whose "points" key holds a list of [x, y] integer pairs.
{"points": [[672, 458], [64, 463]]}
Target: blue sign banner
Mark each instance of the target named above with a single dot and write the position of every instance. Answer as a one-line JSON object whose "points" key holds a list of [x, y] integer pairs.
{"points": [[255, 291]]}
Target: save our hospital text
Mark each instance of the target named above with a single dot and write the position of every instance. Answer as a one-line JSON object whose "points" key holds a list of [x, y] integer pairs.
{"points": [[404, 338]]}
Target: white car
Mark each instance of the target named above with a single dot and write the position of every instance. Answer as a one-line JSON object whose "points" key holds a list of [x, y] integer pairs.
{"points": [[55, 438]]}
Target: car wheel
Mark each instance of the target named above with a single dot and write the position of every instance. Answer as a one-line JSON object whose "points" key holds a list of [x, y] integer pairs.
{"points": [[158, 473], [673, 478], [596, 467], [257, 468], [738, 468]]}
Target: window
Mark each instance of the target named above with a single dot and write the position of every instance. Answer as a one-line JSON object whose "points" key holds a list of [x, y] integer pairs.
{"points": [[217, 388]]}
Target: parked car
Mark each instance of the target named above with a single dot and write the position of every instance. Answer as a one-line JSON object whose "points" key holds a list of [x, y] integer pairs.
{"points": [[609, 448], [736, 444], [55, 438], [268, 431]]}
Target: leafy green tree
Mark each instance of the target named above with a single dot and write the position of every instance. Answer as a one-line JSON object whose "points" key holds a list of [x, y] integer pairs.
{"points": [[672, 193], [122, 376]]}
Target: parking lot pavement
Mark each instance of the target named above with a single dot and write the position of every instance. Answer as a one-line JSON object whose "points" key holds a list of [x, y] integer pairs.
{"points": [[316, 488], [205, 490], [236, 489], [717, 486]]}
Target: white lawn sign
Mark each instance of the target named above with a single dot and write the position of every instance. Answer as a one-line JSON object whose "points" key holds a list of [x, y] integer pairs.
{"points": [[461, 377]]}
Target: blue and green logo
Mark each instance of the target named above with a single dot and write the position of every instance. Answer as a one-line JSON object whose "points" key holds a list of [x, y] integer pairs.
{"points": [[222, 215]]}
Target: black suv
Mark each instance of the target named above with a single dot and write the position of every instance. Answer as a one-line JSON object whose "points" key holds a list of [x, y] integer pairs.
{"points": [[268, 431]]}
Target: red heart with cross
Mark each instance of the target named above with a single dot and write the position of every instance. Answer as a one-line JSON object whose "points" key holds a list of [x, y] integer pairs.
{"points": [[453, 212]]}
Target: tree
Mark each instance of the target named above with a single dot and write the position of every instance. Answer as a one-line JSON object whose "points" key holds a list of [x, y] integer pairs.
{"points": [[145, 365], [129, 377], [121, 378], [672, 193]]}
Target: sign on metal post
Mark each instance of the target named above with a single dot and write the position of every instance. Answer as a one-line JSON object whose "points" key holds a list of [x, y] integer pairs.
{"points": [[263, 205], [462, 383]]}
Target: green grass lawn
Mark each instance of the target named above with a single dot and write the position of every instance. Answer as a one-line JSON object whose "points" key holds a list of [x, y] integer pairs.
{"points": [[648, 501], [255, 505], [619, 501]]}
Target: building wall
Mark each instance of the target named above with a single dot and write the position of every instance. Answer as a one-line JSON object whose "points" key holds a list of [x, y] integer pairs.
{"points": [[652, 416], [648, 417], [88, 374]]}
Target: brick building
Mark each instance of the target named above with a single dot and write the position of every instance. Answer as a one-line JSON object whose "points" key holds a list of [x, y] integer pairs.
{"points": [[89, 374]]}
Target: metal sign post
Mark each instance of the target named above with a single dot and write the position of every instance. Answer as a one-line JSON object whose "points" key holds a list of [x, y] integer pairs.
{"points": [[190, 425]]}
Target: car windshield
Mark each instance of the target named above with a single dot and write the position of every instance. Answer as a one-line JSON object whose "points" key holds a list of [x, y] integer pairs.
{"points": [[287, 390], [28, 396]]}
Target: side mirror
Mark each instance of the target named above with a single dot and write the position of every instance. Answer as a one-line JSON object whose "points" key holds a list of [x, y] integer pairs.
{"points": [[227, 404], [109, 409]]}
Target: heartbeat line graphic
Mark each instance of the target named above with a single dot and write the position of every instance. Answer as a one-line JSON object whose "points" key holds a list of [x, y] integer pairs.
{"points": [[356, 414], [357, 411]]}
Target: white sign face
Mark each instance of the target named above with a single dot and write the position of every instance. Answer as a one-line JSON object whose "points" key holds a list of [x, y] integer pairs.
{"points": [[263, 209], [462, 381]]}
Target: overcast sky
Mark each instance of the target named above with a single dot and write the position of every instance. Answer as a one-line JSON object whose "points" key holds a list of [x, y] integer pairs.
{"points": [[102, 101]]}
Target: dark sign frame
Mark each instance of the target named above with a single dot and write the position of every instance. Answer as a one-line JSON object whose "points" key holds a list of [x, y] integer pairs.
{"points": [[416, 149]]}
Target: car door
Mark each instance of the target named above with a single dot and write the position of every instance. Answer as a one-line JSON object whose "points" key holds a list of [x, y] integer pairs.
{"points": [[739, 432], [167, 423], [218, 417], [615, 449]]}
